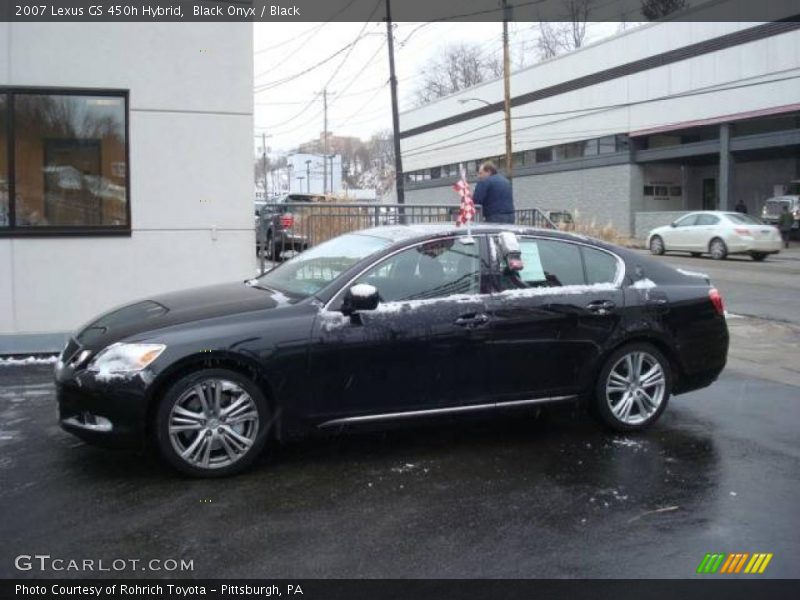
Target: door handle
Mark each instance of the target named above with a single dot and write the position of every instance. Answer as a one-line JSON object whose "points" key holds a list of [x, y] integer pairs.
{"points": [[472, 320], [601, 307]]}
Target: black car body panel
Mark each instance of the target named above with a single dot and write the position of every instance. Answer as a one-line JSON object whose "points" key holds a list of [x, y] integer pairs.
{"points": [[317, 365]]}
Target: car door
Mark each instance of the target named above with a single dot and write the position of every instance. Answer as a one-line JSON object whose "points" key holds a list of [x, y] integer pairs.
{"points": [[705, 228], [550, 320], [420, 349], [679, 237]]}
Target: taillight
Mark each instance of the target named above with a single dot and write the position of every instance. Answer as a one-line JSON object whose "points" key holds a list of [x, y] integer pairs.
{"points": [[287, 221], [716, 300], [742, 231]]}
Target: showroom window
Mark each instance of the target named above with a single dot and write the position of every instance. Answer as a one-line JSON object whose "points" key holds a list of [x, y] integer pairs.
{"points": [[63, 162]]}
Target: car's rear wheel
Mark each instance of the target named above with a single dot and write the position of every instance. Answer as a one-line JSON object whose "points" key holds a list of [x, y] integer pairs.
{"points": [[657, 245], [212, 423], [633, 387], [718, 249], [758, 256]]}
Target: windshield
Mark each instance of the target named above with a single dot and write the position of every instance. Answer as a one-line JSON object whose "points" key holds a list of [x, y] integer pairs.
{"points": [[742, 219], [309, 272]]}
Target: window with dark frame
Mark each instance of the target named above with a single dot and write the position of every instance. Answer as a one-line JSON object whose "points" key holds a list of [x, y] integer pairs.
{"points": [[63, 162]]}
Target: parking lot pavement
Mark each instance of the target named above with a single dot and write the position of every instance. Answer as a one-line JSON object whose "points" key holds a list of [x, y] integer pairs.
{"points": [[768, 290], [507, 497]]}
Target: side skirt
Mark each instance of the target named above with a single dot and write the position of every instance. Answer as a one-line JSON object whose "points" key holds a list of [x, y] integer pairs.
{"points": [[412, 414]]}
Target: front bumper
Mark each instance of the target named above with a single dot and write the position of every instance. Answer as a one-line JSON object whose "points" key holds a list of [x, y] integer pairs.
{"points": [[103, 412]]}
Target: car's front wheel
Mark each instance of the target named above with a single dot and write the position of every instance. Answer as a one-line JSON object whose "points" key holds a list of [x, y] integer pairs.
{"points": [[657, 245], [633, 387], [212, 423]]}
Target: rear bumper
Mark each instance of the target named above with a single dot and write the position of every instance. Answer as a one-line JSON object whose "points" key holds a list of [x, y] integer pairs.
{"points": [[743, 246]]}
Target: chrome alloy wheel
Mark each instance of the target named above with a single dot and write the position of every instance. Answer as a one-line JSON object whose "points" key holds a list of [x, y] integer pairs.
{"points": [[635, 387], [213, 424]]}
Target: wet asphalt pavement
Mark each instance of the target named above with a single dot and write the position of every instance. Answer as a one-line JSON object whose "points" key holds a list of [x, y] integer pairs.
{"points": [[507, 497]]}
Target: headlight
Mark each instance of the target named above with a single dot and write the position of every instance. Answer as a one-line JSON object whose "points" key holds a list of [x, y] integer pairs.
{"points": [[125, 358]]}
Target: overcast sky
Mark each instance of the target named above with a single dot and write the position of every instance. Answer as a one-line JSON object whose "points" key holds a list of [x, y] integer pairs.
{"points": [[358, 93]]}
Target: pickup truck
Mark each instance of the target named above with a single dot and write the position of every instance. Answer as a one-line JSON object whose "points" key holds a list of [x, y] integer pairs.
{"points": [[277, 228]]}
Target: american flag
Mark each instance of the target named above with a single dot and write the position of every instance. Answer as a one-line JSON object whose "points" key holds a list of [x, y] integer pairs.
{"points": [[466, 213]]}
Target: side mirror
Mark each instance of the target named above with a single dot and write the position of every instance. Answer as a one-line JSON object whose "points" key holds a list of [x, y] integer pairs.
{"points": [[673, 224], [361, 296]]}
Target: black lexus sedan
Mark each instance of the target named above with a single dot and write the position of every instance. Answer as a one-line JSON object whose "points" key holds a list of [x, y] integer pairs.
{"points": [[387, 324]]}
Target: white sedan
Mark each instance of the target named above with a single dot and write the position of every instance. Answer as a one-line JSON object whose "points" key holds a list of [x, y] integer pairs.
{"points": [[717, 233]]}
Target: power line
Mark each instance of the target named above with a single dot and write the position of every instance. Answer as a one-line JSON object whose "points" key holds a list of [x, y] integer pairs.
{"points": [[306, 33]]}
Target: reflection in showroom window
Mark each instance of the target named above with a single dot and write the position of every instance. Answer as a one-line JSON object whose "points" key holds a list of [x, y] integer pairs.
{"points": [[4, 191], [69, 161]]}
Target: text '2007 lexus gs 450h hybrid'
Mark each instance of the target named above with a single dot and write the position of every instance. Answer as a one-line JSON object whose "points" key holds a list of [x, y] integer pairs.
{"points": [[387, 324]]}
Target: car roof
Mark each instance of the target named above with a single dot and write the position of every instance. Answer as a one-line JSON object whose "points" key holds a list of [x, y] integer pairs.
{"points": [[397, 233]]}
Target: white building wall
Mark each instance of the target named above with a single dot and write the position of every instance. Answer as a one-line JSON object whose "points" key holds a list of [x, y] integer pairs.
{"points": [[776, 57], [190, 169]]}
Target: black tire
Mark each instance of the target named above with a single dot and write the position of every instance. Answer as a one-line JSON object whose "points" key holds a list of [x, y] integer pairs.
{"points": [[602, 399], [657, 245], [259, 431], [718, 249], [758, 256]]}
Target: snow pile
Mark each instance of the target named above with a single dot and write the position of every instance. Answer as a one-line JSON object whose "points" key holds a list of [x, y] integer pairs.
{"points": [[362, 290], [29, 360], [644, 284], [558, 290], [693, 274]]}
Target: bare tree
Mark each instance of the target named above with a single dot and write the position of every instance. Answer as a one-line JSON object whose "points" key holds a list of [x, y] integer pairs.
{"points": [[653, 10], [458, 67], [558, 37]]}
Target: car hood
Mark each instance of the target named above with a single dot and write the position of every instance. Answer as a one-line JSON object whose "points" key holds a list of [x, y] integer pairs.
{"points": [[176, 308]]}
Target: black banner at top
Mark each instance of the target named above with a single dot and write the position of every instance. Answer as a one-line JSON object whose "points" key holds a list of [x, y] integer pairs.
{"points": [[109, 11]]}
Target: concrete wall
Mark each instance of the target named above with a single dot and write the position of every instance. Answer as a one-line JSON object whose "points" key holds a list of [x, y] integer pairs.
{"points": [[601, 196], [190, 170]]}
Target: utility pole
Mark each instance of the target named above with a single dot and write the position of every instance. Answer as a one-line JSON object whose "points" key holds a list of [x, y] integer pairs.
{"points": [[325, 141], [507, 90], [264, 160], [398, 160]]}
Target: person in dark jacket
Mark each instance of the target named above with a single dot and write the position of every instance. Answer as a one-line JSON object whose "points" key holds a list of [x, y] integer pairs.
{"points": [[493, 193], [741, 207], [785, 223]]}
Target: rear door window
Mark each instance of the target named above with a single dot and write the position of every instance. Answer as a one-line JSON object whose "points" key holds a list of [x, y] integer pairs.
{"points": [[553, 263], [546, 263]]}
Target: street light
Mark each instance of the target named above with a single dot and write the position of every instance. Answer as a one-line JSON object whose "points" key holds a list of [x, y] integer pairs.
{"points": [[465, 100], [509, 156]]}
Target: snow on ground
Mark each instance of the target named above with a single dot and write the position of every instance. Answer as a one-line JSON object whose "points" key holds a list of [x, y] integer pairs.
{"points": [[29, 360]]}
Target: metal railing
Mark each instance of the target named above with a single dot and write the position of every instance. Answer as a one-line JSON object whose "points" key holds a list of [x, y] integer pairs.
{"points": [[285, 229], [533, 217]]}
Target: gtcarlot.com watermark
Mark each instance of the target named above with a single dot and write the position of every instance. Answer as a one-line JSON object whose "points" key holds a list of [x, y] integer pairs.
{"points": [[47, 563]]}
